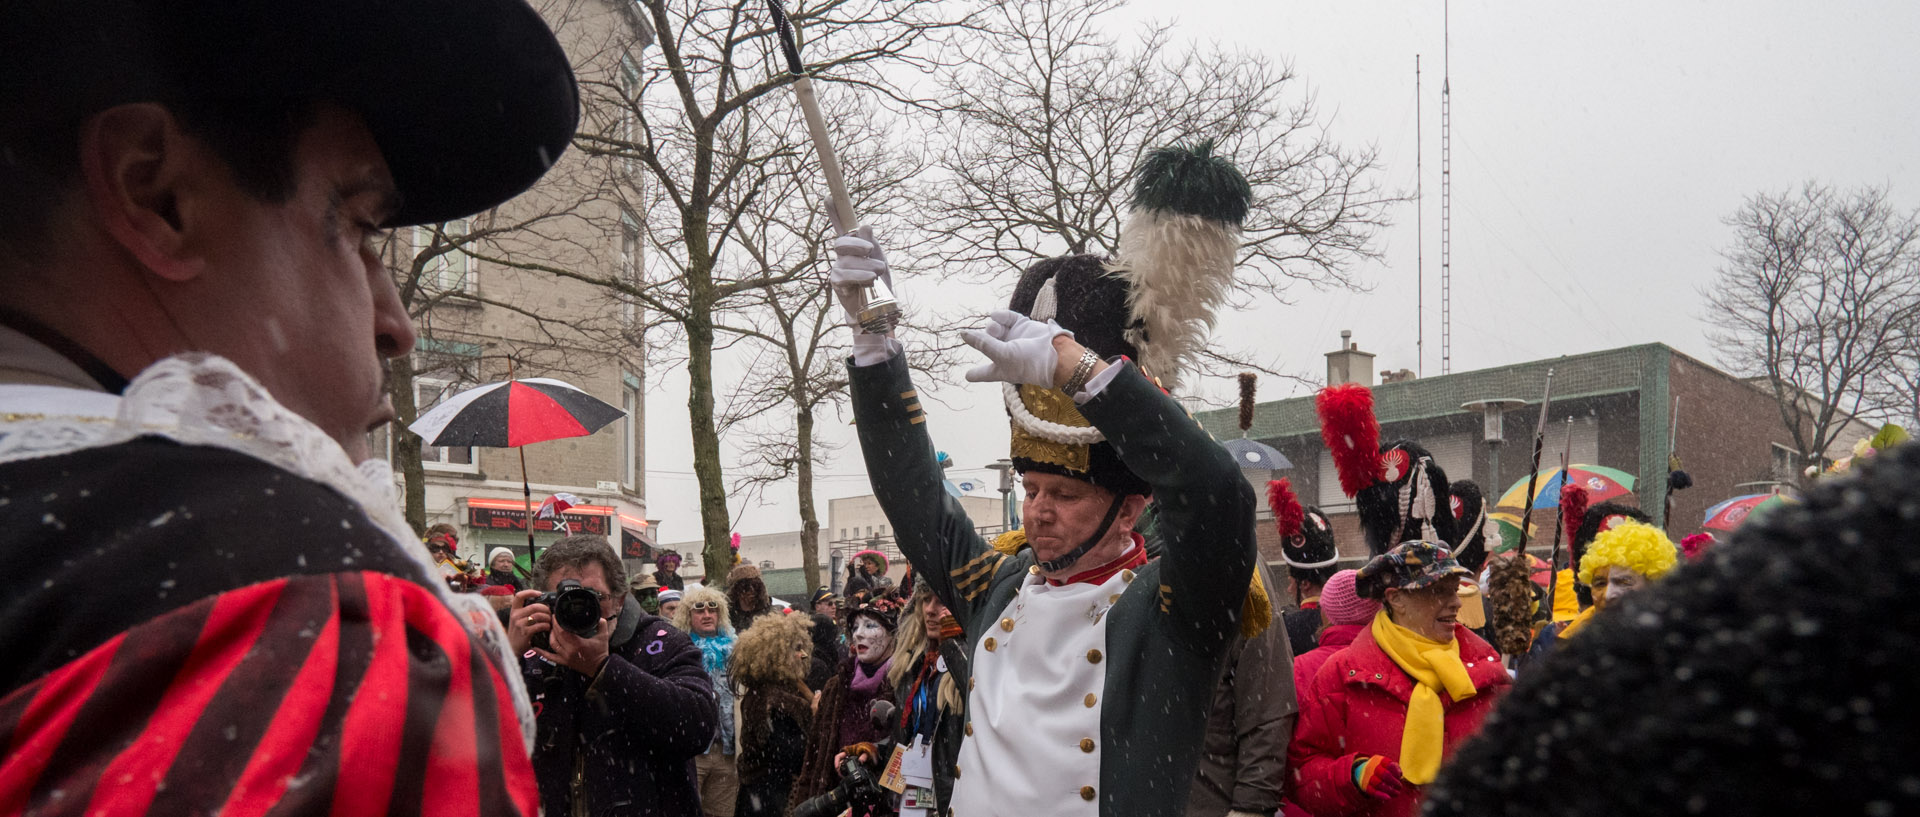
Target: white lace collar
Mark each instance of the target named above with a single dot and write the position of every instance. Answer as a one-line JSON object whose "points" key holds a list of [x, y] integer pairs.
{"points": [[202, 399]]}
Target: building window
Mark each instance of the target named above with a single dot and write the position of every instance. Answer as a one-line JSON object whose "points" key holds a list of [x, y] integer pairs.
{"points": [[1786, 462], [449, 269], [630, 93], [629, 267], [427, 393], [630, 467]]}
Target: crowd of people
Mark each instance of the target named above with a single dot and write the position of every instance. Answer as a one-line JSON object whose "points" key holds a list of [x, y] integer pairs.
{"points": [[216, 605]]}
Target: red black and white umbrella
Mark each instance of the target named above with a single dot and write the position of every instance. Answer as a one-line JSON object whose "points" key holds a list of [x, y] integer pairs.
{"points": [[513, 414]]}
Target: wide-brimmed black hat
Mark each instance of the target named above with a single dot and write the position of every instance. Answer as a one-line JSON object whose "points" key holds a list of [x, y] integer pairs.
{"points": [[470, 101]]}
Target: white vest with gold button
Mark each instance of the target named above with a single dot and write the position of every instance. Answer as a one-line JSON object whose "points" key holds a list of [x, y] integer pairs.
{"points": [[1033, 714]]}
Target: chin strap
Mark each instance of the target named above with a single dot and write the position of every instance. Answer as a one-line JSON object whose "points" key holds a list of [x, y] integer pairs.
{"points": [[1074, 555]]}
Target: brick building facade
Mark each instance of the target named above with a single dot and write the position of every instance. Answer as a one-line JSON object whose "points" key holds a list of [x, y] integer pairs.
{"points": [[475, 312], [1622, 404]]}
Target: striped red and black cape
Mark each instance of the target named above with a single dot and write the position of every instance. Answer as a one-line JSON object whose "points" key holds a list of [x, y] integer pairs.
{"points": [[190, 630]]}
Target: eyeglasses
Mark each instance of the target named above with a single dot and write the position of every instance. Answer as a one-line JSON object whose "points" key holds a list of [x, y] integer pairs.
{"points": [[703, 606]]}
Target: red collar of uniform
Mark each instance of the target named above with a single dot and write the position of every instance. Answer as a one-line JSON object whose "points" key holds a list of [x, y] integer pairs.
{"points": [[1310, 603], [1133, 557]]}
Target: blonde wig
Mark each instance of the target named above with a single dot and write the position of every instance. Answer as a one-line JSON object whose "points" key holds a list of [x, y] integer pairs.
{"points": [[910, 647], [683, 615]]}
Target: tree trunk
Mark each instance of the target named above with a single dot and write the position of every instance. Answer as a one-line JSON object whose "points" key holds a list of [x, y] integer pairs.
{"points": [[809, 521], [716, 555], [406, 445]]}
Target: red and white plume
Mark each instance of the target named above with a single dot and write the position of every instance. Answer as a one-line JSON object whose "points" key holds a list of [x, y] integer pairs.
{"points": [[1352, 435], [1288, 516]]}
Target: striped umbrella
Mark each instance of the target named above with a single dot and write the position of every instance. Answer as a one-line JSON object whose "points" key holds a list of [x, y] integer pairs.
{"points": [[513, 414], [1602, 484]]}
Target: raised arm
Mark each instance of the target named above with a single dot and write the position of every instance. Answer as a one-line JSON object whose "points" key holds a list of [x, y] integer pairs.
{"points": [[1205, 506], [930, 526]]}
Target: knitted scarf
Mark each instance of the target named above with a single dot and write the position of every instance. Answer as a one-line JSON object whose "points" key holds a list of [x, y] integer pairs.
{"points": [[1432, 665]]}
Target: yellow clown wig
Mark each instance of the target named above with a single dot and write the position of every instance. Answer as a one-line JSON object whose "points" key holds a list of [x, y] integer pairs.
{"points": [[1639, 547]]}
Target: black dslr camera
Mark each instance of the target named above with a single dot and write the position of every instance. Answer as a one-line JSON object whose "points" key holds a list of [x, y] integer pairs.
{"points": [[575, 608], [859, 782]]}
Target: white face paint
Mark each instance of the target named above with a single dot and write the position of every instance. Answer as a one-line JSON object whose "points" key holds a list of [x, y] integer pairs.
{"points": [[871, 642]]}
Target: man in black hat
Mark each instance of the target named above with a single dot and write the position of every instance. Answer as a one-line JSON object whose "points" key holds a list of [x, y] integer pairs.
{"points": [[192, 325], [1093, 668]]}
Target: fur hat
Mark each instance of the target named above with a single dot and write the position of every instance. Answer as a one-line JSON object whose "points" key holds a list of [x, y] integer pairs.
{"points": [[1399, 490], [1153, 302], [1471, 524], [1770, 677], [742, 572], [1306, 538]]}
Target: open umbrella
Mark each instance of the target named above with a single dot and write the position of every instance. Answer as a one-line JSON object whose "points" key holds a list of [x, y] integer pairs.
{"points": [[514, 414], [1256, 455], [1729, 514], [1602, 484]]}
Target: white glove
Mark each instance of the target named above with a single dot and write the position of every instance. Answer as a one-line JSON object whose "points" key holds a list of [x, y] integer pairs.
{"points": [[1018, 349], [857, 260]]}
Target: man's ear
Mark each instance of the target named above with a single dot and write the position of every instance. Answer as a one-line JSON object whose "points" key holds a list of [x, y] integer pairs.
{"points": [[140, 171], [1131, 508]]}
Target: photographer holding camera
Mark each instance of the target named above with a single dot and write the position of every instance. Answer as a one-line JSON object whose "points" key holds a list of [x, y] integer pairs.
{"points": [[623, 704]]}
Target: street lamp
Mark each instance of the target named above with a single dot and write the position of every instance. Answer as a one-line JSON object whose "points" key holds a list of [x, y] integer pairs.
{"points": [[1492, 410], [1007, 515]]}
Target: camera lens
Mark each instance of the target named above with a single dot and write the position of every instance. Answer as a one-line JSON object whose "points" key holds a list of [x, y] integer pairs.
{"points": [[577, 609]]}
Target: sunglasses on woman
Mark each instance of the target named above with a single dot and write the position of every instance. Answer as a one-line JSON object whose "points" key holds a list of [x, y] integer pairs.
{"points": [[703, 606]]}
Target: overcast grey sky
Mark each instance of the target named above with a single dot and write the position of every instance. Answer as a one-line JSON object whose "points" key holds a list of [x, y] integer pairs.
{"points": [[1596, 148]]}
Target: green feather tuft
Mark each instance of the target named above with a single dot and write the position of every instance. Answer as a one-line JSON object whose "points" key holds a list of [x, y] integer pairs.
{"points": [[1189, 179]]}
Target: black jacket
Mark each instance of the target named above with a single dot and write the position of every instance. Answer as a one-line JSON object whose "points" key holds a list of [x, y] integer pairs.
{"points": [[631, 732], [948, 728]]}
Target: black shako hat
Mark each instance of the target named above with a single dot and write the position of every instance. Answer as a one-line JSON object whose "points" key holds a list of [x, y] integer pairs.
{"points": [[470, 101]]}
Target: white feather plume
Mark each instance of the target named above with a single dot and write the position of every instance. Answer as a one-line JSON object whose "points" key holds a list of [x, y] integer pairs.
{"points": [[1179, 268]]}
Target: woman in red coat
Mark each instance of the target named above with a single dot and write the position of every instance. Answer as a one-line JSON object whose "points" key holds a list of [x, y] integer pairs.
{"points": [[1382, 713]]}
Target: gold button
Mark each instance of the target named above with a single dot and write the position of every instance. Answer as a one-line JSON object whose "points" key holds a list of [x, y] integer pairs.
{"points": [[1035, 570], [956, 771], [1092, 699], [1093, 656], [969, 728], [1086, 793], [1125, 576], [1113, 599], [989, 645], [969, 684], [1006, 624], [1086, 744]]}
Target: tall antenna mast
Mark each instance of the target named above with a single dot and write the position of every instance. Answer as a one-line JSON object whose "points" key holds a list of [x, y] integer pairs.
{"points": [[1446, 191], [1420, 235]]}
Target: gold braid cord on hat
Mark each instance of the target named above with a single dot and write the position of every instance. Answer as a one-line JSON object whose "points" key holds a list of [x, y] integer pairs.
{"points": [[1051, 406]]}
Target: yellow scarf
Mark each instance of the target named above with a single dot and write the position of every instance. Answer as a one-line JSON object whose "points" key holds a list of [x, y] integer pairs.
{"points": [[1432, 664], [1578, 622]]}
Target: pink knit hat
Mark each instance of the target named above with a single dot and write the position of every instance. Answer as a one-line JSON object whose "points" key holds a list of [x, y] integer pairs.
{"points": [[1341, 605]]}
